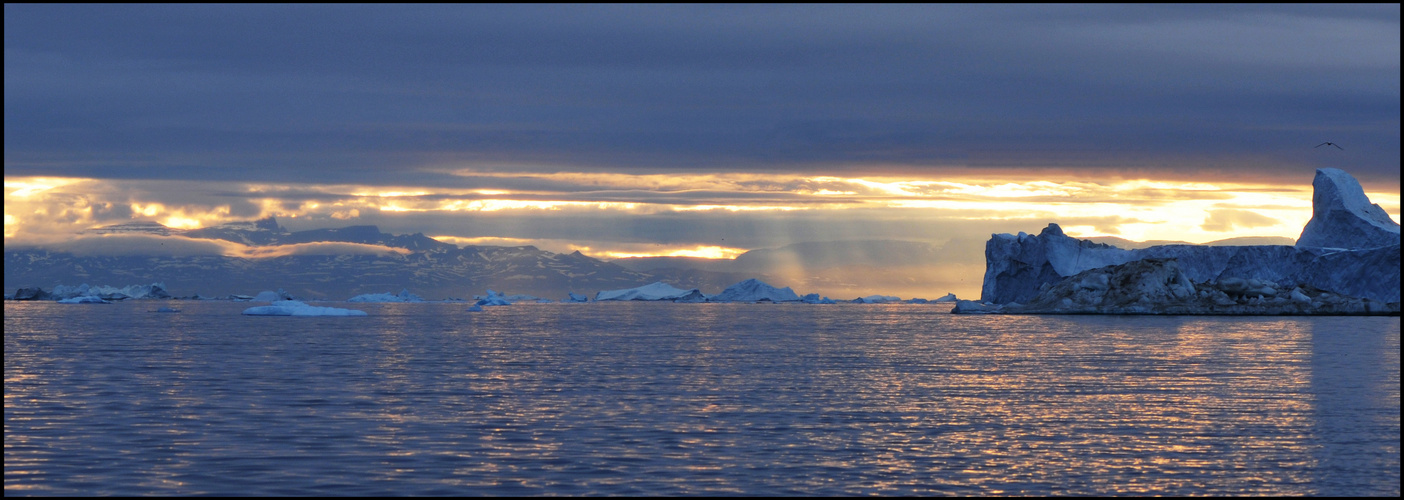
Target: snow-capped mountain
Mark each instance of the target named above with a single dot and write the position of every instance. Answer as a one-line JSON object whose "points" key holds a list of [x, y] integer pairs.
{"points": [[430, 268]]}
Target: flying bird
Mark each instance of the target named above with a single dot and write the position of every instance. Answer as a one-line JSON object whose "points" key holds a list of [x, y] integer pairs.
{"points": [[1330, 144]]}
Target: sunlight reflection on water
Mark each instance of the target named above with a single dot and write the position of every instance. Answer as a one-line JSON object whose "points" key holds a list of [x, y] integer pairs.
{"points": [[639, 398]]}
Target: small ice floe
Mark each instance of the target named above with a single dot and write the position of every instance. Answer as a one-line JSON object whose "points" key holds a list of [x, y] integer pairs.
{"points": [[475, 308], [164, 309], [299, 308]]}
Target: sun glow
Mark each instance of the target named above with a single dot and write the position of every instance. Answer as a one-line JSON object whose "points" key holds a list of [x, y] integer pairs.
{"points": [[701, 251]]}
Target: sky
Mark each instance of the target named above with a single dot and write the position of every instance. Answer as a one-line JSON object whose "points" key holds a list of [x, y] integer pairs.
{"points": [[697, 130]]}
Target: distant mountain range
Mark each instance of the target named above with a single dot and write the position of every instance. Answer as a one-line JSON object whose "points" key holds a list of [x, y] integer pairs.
{"points": [[434, 269], [431, 268]]}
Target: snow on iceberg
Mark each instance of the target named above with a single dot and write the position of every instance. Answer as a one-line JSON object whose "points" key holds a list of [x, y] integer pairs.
{"points": [[655, 291], [949, 297], [299, 308], [574, 297], [754, 290], [813, 298], [403, 296], [1343, 217]]}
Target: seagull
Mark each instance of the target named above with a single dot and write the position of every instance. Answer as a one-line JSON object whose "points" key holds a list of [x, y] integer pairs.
{"points": [[1330, 144]]}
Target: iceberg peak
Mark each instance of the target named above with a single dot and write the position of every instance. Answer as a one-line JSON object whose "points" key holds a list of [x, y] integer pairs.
{"points": [[1343, 217]]}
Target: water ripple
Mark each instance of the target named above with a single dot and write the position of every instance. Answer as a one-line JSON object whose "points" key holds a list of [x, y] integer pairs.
{"points": [[715, 399]]}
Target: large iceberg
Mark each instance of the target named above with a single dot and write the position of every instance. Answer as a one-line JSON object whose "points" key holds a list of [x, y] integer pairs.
{"points": [[655, 291], [1017, 268], [1343, 217], [152, 291], [754, 290], [403, 296], [299, 308], [493, 298], [1160, 286]]}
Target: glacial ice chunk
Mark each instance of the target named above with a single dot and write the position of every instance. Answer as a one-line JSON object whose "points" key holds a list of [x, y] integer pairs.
{"points": [[654, 291], [754, 290], [403, 296], [299, 308]]}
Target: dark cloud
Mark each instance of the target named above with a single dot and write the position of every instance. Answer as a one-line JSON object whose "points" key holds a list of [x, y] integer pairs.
{"points": [[386, 94]]}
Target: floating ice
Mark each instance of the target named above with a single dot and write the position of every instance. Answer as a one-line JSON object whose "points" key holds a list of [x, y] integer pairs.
{"points": [[754, 290], [655, 291], [403, 296], [475, 308], [85, 299], [576, 298], [299, 308], [152, 291], [1160, 286], [493, 299], [271, 296], [877, 299], [949, 297], [813, 298]]}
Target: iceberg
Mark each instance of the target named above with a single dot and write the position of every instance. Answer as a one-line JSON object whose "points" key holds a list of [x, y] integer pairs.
{"points": [[403, 296], [754, 290], [1343, 217], [655, 291], [573, 297], [1160, 286], [85, 299], [1018, 267], [877, 299], [949, 297], [152, 291], [299, 308], [813, 298], [271, 296], [493, 299]]}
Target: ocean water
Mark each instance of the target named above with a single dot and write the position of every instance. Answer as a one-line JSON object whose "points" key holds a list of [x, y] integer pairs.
{"points": [[692, 399]]}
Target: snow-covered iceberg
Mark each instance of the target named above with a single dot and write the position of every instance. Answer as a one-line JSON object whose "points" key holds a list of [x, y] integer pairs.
{"points": [[1340, 252], [299, 308], [1160, 286], [754, 290], [574, 297], [813, 298], [1343, 217], [949, 297], [654, 291], [403, 296]]}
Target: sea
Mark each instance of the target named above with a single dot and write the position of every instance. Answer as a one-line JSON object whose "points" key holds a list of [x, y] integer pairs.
{"points": [[693, 399]]}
